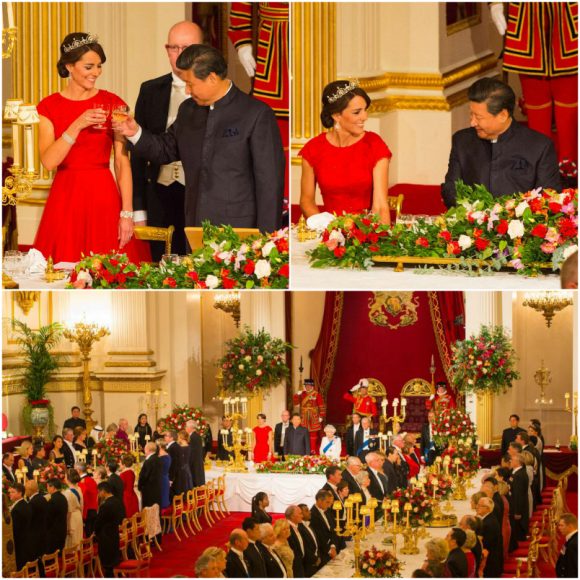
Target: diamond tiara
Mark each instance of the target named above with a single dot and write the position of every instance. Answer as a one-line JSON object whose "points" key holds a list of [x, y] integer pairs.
{"points": [[90, 39], [341, 92]]}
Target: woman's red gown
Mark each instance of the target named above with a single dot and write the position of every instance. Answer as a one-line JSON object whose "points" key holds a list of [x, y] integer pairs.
{"points": [[82, 210], [262, 446], [130, 498]]}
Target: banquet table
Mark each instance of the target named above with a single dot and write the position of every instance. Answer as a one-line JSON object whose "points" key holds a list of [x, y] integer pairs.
{"points": [[343, 566], [304, 277], [38, 282], [283, 489]]}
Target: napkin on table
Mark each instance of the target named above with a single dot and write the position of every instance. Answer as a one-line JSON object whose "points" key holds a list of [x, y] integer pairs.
{"points": [[320, 221]]}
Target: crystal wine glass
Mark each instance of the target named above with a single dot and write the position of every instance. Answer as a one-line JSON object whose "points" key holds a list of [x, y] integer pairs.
{"points": [[120, 113], [106, 108]]}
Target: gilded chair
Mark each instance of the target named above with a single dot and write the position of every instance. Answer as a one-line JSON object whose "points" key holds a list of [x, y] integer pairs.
{"points": [[172, 517], [136, 566], [202, 504], [70, 562], [396, 204], [51, 564], [221, 493], [154, 234]]}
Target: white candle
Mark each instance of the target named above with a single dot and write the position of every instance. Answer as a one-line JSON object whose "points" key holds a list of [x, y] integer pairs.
{"points": [[16, 143], [384, 403], [403, 402], [29, 148], [10, 15]]}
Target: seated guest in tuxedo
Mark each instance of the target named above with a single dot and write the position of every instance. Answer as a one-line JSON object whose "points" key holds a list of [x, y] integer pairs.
{"points": [[428, 449], [109, 517], [56, 516], [474, 524], [457, 560], [567, 564], [236, 565], [331, 445], [68, 450], [8, 466], [496, 151], [280, 434], [351, 434], [519, 502], [38, 521], [390, 471], [333, 478], [366, 440], [492, 539], [88, 487], [379, 486], [219, 556], [322, 526], [74, 420], [273, 562], [252, 554], [225, 436], [159, 191], [294, 517], [259, 504], [206, 567], [116, 483], [21, 518], [509, 435], [349, 473], [222, 181], [297, 438]]}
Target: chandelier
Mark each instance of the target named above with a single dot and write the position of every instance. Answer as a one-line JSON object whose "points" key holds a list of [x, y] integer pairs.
{"points": [[548, 302], [229, 302]]}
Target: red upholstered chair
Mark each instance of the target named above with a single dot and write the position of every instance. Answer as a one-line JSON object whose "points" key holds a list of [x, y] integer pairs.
{"points": [[51, 564], [518, 571], [29, 570], [138, 533], [221, 493], [212, 500], [190, 511], [201, 502], [173, 517], [70, 562], [135, 567], [530, 567]]}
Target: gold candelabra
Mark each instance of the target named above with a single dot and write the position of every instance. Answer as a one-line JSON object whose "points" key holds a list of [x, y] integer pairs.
{"points": [[85, 335], [134, 451], [459, 492], [229, 302], [543, 378], [9, 34], [303, 232], [355, 525], [155, 401], [410, 535], [548, 302], [395, 419], [235, 409], [574, 411]]}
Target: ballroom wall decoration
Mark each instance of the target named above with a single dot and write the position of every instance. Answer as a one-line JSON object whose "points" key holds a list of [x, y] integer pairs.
{"points": [[393, 309]]}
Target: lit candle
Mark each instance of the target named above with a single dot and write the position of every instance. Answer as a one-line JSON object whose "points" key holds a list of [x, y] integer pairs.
{"points": [[18, 475], [35, 474], [147, 437], [408, 508], [403, 402]]}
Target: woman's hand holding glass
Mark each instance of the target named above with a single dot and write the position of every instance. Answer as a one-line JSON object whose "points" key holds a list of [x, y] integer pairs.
{"points": [[90, 118]]}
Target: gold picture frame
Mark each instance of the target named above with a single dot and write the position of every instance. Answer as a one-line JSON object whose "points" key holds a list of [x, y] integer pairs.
{"points": [[461, 15]]}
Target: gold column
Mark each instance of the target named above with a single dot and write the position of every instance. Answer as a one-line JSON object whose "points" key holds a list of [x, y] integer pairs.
{"points": [[307, 96], [63, 32], [485, 418], [297, 76], [36, 71], [45, 64]]}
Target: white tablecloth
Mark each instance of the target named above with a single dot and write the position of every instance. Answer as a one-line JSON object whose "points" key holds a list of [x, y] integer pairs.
{"points": [[343, 566], [283, 489], [302, 276], [38, 282]]}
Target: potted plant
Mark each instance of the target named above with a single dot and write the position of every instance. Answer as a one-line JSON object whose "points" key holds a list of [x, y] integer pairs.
{"points": [[39, 366]]}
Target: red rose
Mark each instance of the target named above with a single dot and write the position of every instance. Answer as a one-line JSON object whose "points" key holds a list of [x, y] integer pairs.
{"points": [[367, 222], [114, 262], [477, 233], [228, 283], [285, 271], [445, 235], [536, 205], [121, 278], [540, 231], [170, 282], [373, 248], [325, 236], [422, 242], [453, 248], [249, 267], [481, 244], [502, 227], [224, 273], [340, 251], [373, 238], [193, 275], [282, 246], [555, 207]]}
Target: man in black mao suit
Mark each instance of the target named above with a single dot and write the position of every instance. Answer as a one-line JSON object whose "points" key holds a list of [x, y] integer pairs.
{"points": [[159, 191], [321, 525], [150, 477], [229, 144], [509, 435], [518, 498], [173, 451], [236, 565], [252, 554], [21, 516], [56, 517], [38, 522], [297, 438], [116, 483], [567, 564], [492, 539], [366, 440], [428, 451], [109, 517], [196, 455], [457, 560]]}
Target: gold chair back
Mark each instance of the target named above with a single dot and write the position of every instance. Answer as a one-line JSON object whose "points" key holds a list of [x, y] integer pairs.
{"points": [[153, 234]]}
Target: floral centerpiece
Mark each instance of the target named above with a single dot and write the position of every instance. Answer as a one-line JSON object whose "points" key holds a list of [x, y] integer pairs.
{"points": [[451, 425], [181, 414], [49, 471], [468, 457], [422, 506], [377, 563], [225, 261], [307, 464], [108, 449], [525, 231], [484, 362], [253, 361], [444, 486]]}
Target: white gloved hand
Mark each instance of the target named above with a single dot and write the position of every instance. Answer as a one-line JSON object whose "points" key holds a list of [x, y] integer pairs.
{"points": [[355, 388], [247, 59], [431, 397], [320, 221], [299, 393], [498, 17]]}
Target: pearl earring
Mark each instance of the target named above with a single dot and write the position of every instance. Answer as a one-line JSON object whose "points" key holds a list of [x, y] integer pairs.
{"points": [[336, 126]]}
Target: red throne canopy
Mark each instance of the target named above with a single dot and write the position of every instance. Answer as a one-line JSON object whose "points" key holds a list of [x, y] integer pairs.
{"points": [[387, 336]]}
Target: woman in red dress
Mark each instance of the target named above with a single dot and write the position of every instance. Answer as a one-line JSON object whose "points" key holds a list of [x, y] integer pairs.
{"points": [[263, 437], [411, 458], [130, 498], [349, 164], [88, 210]]}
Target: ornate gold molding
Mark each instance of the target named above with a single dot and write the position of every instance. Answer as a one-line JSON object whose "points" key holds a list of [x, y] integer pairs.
{"points": [[146, 363], [416, 388], [129, 387], [10, 366], [410, 103], [128, 353]]}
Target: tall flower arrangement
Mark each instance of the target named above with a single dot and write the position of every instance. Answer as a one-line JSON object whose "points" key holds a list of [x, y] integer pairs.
{"points": [[308, 464], [108, 449], [252, 361], [469, 460], [421, 504], [50, 471], [451, 425], [377, 563], [181, 414], [485, 362]]}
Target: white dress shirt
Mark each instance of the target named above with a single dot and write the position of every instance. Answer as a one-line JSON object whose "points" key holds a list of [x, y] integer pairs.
{"points": [[307, 526], [240, 555], [300, 540], [72, 448], [284, 427]]}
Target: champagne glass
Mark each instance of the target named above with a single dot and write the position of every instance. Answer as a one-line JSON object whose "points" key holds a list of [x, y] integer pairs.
{"points": [[9, 265], [106, 108], [120, 113]]}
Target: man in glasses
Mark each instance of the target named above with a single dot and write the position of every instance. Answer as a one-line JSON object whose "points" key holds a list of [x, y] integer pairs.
{"points": [[159, 190]]}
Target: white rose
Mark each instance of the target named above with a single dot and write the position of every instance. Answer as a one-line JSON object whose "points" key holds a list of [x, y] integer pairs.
{"points": [[248, 358], [241, 367], [516, 229], [521, 208], [262, 269], [225, 257], [268, 248], [569, 251], [260, 358], [464, 242], [257, 245], [212, 282], [337, 235], [259, 373], [478, 216], [86, 277]]}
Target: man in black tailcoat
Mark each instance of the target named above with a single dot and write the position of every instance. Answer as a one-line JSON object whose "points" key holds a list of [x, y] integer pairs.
{"points": [[297, 439], [38, 521], [196, 454], [518, 498], [492, 539], [312, 560], [351, 432], [150, 477], [390, 471], [116, 483], [321, 525], [366, 440], [252, 554], [567, 564], [222, 453], [457, 560], [173, 451], [236, 565], [56, 516], [159, 190], [294, 517], [109, 517], [280, 434], [429, 451], [21, 516], [496, 151], [8, 466], [229, 144], [275, 567]]}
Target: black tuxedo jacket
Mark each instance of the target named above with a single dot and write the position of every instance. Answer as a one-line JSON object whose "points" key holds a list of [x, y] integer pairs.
{"points": [[173, 452], [255, 561], [299, 553], [350, 449], [325, 537], [492, 542], [521, 160], [56, 518], [149, 483], [519, 504], [457, 563], [272, 565], [69, 456], [234, 566], [297, 441], [72, 423], [38, 523], [353, 486], [391, 474], [208, 442], [509, 436], [312, 559], [567, 564], [233, 160], [498, 508], [278, 447], [5, 473], [222, 454], [196, 456], [118, 488], [358, 443], [109, 517], [375, 488], [21, 517]]}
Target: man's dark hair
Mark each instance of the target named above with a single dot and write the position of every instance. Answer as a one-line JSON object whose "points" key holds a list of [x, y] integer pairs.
{"points": [[491, 480], [18, 487], [420, 573], [296, 415], [55, 482], [516, 446], [504, 472], [6, 455], [341, 484], [73, 408], [330, 471], [203, 60], [507, 458], [516, 416], [475, 524], [322, 494], [105, 486], [391, 449], [435, 569], [459, 536], [249, 524], [112, 466], [524, 437], [302, 505], [496, 95], [172, 433]]}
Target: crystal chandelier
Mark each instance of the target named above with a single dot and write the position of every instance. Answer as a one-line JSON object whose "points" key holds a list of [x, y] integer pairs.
{"points": [[229, 302], [548, 302]]}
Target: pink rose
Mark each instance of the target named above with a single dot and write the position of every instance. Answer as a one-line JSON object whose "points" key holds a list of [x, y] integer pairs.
{"points": [[548, 247], [79, 284], [331, 244]]}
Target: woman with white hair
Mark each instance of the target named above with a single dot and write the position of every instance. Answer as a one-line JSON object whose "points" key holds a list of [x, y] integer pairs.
{"points": [[363, 479], [331, 445]]}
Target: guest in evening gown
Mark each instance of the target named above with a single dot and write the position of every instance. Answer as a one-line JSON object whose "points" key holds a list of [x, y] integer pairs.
{"points": [[166, 460], [184, 476], [25, 460], [88, 209], [130, 498], [159, 433], [56, 455], [349, 164], [74, 518], [263, 440], [259, 504]]}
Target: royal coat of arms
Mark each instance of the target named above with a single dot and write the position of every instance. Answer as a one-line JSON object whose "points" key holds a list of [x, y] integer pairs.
{"points": [[393, 309]]}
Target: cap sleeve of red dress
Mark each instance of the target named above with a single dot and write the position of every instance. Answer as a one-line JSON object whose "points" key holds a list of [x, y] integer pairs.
{"points": [[379, 149], [43, 108], [306, 153]]}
